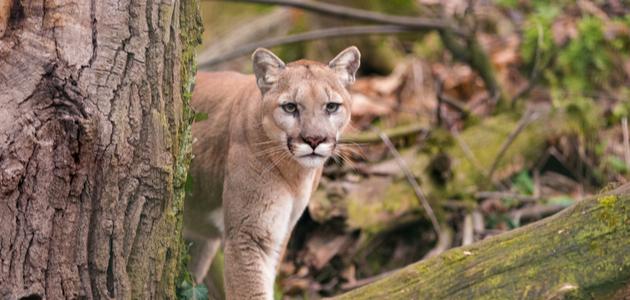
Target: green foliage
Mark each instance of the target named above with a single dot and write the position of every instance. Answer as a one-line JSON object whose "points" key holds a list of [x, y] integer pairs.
{"points": [[507, 3], [524, 183], [617, 164], [400, 7], [429, 47], [277, 292], [189, 291], [586, 61], [201, 116], [537, 35], [581, 114], [563, 200], [622, 108]]}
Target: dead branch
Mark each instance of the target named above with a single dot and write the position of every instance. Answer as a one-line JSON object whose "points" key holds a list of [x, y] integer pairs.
{"points": [[522, 123], [417, 23], [303, 37], [536, 211], [518, 197], [412, 181], [626, 140], [392, 133], [452, 102], [468, 232], [334, 32], [467, 151]]}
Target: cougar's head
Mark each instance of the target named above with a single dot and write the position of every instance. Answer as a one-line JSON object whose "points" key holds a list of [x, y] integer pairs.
{"points": [[305, 104]]}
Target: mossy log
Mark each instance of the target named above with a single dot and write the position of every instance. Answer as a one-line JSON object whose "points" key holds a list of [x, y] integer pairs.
{"points": [[580, 253]]}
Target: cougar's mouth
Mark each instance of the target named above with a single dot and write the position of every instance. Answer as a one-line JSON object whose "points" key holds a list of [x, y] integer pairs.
{"points": [[313, 155]]}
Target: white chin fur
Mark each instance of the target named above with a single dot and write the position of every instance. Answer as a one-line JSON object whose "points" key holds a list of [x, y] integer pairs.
{"points": [[311, 161]]}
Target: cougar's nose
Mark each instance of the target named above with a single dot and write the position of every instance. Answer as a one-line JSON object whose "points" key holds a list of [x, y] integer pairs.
{"points": [[313, 141]]}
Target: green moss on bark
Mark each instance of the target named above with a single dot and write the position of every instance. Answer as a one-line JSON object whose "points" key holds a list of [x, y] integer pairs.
{"points": [[191, 27], [168, 241]]}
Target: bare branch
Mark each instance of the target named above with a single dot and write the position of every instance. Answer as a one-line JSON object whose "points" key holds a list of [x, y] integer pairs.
{"points": [[467, 151], [445, 242], [522, 123], [392, 133], [306, 36], [364, 15], [452, 102], [414, 184], [626, 139], [518, 197], [468, 233]]}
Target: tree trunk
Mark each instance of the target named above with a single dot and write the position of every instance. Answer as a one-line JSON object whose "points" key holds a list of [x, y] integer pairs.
{"points": [[94, 146], [582, 252]]}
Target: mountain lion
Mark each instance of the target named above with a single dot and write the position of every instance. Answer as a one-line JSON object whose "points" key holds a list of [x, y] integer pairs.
{"points": [[258, 157]]}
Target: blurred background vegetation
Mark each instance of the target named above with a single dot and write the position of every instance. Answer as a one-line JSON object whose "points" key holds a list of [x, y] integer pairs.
{"points": [[551, 131]]}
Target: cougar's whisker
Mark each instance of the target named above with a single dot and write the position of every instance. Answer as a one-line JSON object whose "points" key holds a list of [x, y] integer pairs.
{"points": [[346, 160], [274, 163], [352, 150], [270, 150]]}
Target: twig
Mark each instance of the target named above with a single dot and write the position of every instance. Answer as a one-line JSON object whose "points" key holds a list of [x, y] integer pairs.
{"points": [[518, 197], [445, 241], [365, 281], [301, 37], [522, 123], [364, 15], [454, 103], [456, 205], [468, 236], [412, 180], [626, 139], [467, 152], [438, 92], [535, 212], [478, 223], [533, 75], [394, 133]]}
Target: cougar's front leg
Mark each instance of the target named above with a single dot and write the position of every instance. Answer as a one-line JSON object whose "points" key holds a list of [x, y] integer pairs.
{"points": [[256, 227]]}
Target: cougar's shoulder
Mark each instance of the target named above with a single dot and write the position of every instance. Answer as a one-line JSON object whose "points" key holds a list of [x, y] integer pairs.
{"points": [[214, 97]]}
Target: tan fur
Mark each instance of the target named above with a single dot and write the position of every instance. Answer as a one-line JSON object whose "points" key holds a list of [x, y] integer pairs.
{"points": [[250, 184]]}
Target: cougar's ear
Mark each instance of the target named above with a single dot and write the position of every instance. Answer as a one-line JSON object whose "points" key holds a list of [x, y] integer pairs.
{"points": [[346, 64], [267, 68]]}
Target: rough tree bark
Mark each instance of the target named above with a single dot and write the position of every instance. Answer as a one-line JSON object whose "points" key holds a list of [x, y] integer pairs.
{"points": [[94, 146], [582, 252]]}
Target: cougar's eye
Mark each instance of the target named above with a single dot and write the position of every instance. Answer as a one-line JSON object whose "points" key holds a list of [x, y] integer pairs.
{"points": [[332, 107], [289, 107]]}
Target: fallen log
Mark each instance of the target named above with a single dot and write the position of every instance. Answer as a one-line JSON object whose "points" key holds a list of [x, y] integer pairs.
{"points": [[582, 252]]}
